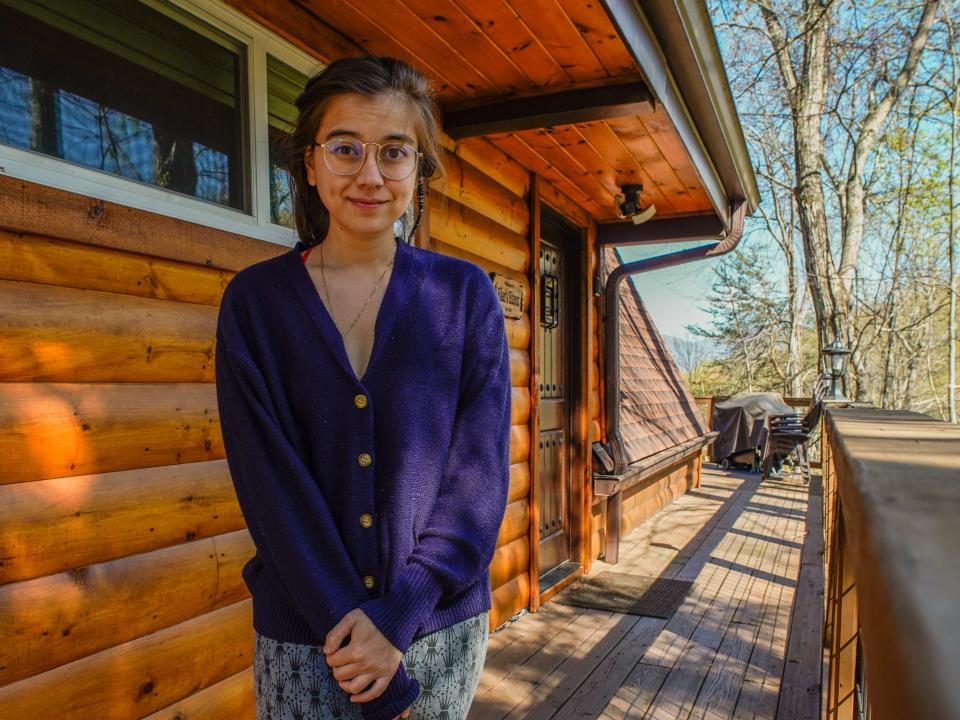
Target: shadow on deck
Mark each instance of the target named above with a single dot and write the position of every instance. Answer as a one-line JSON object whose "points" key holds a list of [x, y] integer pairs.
{"points": [[724, 652]]}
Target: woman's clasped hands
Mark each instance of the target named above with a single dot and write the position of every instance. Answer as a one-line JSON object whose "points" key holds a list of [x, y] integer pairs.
{"points": [[365, 666]]}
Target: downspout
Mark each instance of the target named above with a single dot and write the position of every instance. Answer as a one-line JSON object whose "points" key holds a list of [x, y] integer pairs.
{"points": [[611, 347]]}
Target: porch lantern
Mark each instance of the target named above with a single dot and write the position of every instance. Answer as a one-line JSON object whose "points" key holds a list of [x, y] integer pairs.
{"points": [[836, 355]]}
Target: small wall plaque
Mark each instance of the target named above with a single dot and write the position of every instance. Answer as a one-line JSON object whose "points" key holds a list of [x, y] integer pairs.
{"points": [[511, 294]]}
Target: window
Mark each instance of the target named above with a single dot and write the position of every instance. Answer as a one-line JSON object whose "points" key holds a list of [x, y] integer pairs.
{"points": [[283, 85], [174, 107]]}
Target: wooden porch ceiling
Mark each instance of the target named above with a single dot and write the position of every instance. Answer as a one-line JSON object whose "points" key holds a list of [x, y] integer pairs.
{"points": [[480, 51]]}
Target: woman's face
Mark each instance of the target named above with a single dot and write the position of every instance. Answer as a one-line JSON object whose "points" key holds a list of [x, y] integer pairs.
{"points": [[366, 204]]}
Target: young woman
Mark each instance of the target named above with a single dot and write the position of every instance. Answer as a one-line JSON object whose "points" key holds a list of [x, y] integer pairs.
{"points": [[364, 394]]}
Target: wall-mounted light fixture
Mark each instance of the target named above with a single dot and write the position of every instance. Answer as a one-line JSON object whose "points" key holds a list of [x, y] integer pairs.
{"points": [[628, 204]]}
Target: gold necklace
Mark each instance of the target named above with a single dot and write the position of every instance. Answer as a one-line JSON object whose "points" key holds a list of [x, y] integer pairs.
{"points": [[327, 292]]}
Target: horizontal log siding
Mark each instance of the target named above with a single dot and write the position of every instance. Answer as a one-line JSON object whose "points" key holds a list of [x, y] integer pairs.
{"points": [[113, 478]]}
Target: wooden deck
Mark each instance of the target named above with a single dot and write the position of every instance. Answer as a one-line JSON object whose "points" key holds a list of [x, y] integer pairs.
{"points": [[723, 654]]}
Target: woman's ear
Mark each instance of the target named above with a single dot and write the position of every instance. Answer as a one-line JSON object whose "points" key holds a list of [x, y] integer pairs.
{"points": [[308, 165]]}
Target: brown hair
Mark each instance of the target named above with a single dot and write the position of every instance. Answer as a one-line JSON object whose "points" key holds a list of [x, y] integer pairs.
{"points": [[367, 76]]}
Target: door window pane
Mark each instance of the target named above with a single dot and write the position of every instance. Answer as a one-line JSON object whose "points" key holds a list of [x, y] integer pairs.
{"points": [[125, 89], [284, 84]]}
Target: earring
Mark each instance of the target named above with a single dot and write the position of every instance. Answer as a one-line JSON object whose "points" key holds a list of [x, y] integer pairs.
{"points": [[421, 198]]}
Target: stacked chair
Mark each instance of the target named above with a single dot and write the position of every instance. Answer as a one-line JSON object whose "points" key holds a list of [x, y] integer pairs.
{"points": [[787, 434]]}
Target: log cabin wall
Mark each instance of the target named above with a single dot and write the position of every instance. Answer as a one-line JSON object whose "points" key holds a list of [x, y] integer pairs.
{"points": [[122, 541], [480, 212]]}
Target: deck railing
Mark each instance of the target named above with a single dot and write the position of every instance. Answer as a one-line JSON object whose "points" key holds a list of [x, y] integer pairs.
{"points": [[892, 560]]}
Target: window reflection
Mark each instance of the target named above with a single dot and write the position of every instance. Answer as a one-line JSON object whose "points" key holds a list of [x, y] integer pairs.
{"points": [[123, 88]]}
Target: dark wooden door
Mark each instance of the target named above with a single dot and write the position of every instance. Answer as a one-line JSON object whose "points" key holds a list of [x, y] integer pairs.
{"points": [[557, 291]]}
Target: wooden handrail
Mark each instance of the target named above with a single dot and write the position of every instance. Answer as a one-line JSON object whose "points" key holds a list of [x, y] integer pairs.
{"points": [[892, 557]]}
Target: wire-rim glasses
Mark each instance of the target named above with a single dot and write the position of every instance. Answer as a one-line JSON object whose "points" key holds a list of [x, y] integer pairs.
{"points": [[396, 160]]}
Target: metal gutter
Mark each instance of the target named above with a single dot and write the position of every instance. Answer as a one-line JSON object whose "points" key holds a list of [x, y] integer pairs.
{"points": [[737, 169], [611, 347]]}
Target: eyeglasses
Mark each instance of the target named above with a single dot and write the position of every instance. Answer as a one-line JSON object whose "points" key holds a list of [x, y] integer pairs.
{"points": [[345, 157]]}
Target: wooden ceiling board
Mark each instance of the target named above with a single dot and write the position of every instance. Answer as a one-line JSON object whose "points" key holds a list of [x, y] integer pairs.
{"points": [[544, 144], [607, 144], [479, 50], [507, 31], [557, 33], [634, 136], [452, 81], [596, 165], [660, 129], [591, 20], [449, 21], [526, 156]]}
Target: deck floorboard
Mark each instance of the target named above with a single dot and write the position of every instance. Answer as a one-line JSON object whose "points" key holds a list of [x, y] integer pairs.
{"points": [[751, 549]]}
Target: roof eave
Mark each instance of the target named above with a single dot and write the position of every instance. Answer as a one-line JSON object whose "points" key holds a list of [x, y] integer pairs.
{"points": [[675, 47]]}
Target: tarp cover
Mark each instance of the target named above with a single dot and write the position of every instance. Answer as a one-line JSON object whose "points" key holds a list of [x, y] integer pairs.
{"points": [[741, 422]]}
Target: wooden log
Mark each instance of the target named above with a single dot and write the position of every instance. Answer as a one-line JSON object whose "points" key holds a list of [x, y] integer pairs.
{"points": [[468, 186], [516, 522], [509, 599], [230, 698], [594, 404], [519, 443], [509, 561], [57, 334], [458, 225], [519, 367], [520, 405], [142, 676], [42, 210], [56, 619], [518, 331], [519, 481], [55, 525], [52, 430], [492, 162], [39, 259], [441, 247]]}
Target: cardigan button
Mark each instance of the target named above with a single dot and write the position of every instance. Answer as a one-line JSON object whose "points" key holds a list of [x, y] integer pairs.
{"points": [[364, 459], [368, 582], [366, 520], [360, 400]]}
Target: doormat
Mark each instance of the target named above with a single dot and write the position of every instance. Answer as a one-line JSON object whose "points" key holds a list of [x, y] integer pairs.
{"points": [[628, 594]]}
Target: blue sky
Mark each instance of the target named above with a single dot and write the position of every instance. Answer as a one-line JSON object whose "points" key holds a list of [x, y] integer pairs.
{"points": [[674, 295]]}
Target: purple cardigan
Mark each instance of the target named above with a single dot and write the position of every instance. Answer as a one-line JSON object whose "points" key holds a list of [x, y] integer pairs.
{"points": [[385, 492]]}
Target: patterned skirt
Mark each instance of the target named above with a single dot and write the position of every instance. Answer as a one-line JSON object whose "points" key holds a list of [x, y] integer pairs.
{"points": [[294, 682]]}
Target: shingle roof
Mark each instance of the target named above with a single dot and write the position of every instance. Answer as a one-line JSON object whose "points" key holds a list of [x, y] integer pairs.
{"points": [[657, 411]]}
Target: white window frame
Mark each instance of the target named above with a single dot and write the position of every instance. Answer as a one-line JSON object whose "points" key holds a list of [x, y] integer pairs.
{"points": [[258, 41]]}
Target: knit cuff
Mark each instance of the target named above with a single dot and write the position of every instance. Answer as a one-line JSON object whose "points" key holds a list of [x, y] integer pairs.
{"points": [[406, 604], [397, 697]]}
